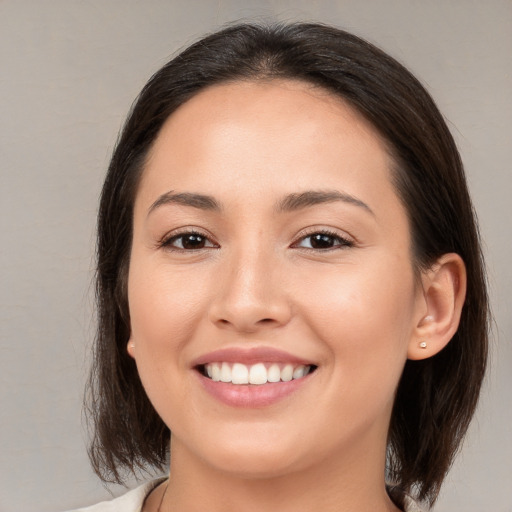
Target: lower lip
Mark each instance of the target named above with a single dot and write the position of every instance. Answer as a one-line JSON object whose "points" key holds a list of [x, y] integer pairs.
{"points": [[250, 395]]}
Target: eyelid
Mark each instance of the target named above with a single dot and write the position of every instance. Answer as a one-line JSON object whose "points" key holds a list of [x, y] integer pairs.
{"points": [[347, 240], [165, 241]]}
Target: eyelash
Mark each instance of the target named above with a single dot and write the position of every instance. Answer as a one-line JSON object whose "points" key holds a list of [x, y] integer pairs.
{"points": [[342, 242], [167, 242]]}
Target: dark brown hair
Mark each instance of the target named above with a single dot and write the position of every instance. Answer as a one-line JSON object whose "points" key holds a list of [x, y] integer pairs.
{"points": [[436, 397]]}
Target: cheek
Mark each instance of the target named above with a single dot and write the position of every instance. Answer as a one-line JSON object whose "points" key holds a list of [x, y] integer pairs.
{"points": [[365, 319], [163, 314], [163, 304], [361, 299]]}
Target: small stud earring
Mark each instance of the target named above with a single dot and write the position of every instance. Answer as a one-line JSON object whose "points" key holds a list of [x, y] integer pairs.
{"points": [[423, 344]]}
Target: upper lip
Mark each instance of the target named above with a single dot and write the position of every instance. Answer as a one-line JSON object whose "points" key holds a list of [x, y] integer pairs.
{"points": [[249, 356]]}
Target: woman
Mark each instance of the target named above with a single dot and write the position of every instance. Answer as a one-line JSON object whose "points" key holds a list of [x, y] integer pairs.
{"points": [[289, 280]]}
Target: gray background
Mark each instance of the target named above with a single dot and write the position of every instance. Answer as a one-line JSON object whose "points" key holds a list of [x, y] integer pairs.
{"points": [[69, 71]]}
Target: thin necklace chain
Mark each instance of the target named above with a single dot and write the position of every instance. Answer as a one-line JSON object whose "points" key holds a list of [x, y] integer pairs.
{"points": [[163, 496]]}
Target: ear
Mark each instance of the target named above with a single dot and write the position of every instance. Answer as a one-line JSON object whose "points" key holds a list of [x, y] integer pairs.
{"points": [[444, 291], [130, 348]]}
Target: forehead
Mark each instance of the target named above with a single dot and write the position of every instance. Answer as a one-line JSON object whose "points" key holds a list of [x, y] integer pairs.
{"points": [[232, 136], [280, 106]]}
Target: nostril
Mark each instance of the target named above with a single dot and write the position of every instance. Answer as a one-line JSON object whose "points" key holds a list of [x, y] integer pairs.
{"points": [[263, 321]]}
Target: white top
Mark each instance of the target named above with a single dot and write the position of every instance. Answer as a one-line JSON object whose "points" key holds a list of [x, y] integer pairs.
{"points": [[133, 500]]}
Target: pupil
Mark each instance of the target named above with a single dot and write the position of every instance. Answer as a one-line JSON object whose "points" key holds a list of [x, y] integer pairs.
{"points": [[193, 242], [320, 241]]}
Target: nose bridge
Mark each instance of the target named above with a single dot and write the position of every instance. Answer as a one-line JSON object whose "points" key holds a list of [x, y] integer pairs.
{"points": [[251, 276], [250, 294]]}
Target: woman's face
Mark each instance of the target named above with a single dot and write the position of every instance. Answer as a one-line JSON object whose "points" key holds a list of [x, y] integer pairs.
{"points": [[269, 244]]}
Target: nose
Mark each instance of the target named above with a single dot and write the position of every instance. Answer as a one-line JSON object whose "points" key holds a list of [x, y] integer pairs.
{"points": [[251, 295]]}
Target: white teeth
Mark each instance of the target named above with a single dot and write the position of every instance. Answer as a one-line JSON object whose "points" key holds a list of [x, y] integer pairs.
{"points": [[274, 373], [299, 372], [287, 373], [215, 368], [225, 372], [239, 374], [256, 374]]}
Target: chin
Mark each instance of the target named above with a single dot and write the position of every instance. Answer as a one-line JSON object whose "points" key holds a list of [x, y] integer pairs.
{"points": [[254, 461]]}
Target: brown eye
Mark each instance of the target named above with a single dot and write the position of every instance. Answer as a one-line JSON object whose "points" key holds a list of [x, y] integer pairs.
{"points": [[323, 241], [188, 242]]}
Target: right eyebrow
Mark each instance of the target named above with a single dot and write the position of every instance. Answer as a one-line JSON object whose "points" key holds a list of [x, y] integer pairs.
{"points": [[187, 199]]}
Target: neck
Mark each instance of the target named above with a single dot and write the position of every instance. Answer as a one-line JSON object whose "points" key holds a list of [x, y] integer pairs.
{"points": [[355, 483]]}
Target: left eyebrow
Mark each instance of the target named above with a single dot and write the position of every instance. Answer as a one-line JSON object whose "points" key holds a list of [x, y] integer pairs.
{"points": [[309, 198]]}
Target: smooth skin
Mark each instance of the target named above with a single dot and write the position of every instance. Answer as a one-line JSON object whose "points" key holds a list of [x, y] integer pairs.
{"points": [[329, 280]]}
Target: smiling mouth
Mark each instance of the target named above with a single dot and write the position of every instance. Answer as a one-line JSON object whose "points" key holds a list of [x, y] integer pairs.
{"points": [[255, 374]]}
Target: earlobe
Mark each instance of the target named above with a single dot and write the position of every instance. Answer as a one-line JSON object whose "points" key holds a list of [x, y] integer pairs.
{"points": [[131, 348], [444, 291]]}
